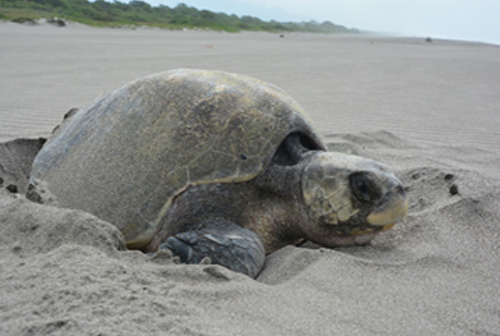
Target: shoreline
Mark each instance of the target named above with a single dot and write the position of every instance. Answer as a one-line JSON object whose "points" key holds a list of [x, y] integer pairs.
{"points": [[362, 34]]}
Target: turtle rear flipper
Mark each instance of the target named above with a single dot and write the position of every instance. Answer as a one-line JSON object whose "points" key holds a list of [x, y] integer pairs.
{"points": [[224, 242]]}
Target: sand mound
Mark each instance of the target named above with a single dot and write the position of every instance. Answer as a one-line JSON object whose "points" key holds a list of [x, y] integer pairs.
{"points": [[65, 271], [16, 157]]}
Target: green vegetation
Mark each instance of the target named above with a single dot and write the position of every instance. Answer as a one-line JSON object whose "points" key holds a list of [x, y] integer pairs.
{"points": [[139, 13]]}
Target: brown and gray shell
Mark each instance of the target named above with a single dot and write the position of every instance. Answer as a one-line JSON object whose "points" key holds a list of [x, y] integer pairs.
{"points": [[124, 157]]}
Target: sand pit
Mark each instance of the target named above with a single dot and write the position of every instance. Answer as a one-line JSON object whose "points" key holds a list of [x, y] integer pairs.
{"points": [[428, 110]]}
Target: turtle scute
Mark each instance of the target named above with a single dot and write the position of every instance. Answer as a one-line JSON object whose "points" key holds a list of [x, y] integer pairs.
{"points": [[125, 156]]}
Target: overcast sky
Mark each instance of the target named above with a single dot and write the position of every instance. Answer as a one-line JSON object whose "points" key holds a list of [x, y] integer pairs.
{"points": [[476, 20]]}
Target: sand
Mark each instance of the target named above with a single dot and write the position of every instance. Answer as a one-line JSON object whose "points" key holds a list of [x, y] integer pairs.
{"points": [[431, 111]]}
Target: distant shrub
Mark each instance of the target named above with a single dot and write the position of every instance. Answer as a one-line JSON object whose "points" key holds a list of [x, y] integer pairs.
{"points": [[24, 19], [57, 22]]}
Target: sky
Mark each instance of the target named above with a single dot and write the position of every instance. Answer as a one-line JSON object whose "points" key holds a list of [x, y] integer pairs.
{"points": [[470, 20]]}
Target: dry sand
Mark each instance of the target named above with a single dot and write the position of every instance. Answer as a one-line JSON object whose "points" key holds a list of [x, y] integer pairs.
{"points": [[429, 110]]}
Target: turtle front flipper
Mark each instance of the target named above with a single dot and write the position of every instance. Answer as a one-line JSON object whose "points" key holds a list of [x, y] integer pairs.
{"points": [[224, 242]]}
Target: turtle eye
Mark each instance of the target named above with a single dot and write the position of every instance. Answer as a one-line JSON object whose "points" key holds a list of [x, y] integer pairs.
{"points": [[364, 187]]}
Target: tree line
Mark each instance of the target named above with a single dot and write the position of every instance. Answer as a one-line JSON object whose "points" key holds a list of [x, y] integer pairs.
{"points": [[139, 13]]}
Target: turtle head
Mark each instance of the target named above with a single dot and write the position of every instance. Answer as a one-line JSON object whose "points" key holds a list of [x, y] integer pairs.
{"points": [[349, 199]]}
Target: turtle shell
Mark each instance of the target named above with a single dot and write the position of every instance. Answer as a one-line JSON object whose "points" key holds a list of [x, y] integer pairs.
{"points": [[127, 155]]}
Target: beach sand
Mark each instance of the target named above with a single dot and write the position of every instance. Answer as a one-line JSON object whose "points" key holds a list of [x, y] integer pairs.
{"points": [[431, 111]]}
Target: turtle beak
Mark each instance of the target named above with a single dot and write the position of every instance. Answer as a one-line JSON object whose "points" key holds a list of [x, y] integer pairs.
{"points": [[387, 227], [392, 209]]}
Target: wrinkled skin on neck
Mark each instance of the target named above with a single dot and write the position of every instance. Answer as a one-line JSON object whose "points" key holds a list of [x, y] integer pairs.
{"points": [[332, 199]]}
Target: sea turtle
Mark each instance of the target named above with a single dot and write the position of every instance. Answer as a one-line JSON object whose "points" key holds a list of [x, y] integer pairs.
{"points": [[213, 164]]}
